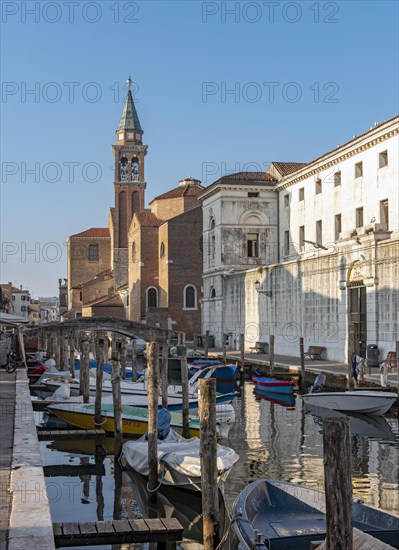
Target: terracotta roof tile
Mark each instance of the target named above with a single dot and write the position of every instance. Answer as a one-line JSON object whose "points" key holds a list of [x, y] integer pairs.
{"points": [[285, 168], [114, 300], [190, 190], [246, 177], [148, 219], [95, 232]]}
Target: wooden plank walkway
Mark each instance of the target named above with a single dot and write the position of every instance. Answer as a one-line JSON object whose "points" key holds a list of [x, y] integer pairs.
{"points": [[51, 435], [117, 532]]}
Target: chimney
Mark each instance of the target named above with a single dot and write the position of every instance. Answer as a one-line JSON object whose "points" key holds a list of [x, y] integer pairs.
{"points": [[20, 287], [10, 283], [59, 282]]}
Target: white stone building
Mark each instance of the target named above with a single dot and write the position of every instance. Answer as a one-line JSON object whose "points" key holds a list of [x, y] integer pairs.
{"points": [[49, 309], [321, 239]]}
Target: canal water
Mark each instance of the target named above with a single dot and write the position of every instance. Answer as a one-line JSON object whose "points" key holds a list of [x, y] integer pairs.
{"points": [[274, 439]]}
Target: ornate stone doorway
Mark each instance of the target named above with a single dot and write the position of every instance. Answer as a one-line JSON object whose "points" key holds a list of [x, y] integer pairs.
{"points": [[357, 311]]}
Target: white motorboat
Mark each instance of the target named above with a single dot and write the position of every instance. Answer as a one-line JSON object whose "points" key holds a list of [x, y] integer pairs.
{"points": [[359, 401], [139, 388], [178, 458]]}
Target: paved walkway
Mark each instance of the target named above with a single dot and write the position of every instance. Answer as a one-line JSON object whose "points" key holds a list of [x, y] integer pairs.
{"points": [[7, 410], [293, 364], [25, 519]]}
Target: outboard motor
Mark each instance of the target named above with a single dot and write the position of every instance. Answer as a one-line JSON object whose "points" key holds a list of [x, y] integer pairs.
{"points": [[318, 384]]}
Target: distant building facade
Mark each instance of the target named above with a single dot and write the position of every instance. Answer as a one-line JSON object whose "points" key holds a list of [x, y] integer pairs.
{"points": [[319, 240], [34, 312], [15, 301], [49, 309]]}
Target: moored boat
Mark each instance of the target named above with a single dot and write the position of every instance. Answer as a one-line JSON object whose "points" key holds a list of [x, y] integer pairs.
{"points": [[274, 385], [179, 462], [283, 516], [134, 419], [365, 402]]}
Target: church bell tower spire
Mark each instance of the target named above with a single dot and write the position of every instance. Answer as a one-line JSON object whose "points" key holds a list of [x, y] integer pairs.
{"points": [[129, 182]]}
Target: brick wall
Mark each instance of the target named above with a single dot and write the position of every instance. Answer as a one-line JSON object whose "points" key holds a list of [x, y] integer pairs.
{"points": [[80, 269], [185, 232]]}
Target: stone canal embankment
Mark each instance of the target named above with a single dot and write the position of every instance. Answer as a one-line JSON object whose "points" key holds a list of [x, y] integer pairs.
{"points": [[24, 495]]}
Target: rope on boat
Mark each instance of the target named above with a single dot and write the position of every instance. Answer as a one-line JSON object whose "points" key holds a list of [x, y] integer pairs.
{"points": [[159, 484], [232, 520]]}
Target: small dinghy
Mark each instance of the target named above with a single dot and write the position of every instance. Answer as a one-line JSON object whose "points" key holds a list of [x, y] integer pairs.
{"points": [[178, 458], [274, 385], [364, 402], [283, 516]]}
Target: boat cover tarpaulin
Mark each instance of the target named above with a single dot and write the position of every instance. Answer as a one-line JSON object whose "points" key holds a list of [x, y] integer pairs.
{"points": [[178, 454]]}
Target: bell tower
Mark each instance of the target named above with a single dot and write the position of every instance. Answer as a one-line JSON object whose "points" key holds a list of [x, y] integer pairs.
{"points": [[129, 182]]}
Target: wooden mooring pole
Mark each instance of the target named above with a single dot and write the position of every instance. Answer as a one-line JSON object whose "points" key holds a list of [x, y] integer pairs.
{"points": [[206, 344], [123, 357], [134, 360], [184, 391], [271, 355], [242, 351], [85, 370], [302, 356], [338, 482], [224, 336], [153, 397], [164, 375], [208, 453], [99, 343], [116, 398], [72, 357]]}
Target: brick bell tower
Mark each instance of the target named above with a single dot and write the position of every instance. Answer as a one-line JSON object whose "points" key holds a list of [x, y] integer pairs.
{"points": [[129, 182]]}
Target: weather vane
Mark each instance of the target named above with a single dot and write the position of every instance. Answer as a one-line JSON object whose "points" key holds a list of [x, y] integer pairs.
{"points": [[129, 82]]}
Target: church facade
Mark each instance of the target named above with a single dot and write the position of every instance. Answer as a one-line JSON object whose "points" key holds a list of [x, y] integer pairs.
{"points": [[145, 266], [308, 250]]}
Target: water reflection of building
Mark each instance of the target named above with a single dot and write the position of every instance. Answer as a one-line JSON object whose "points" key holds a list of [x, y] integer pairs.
{"points": [[278, 443], [321, 238]]}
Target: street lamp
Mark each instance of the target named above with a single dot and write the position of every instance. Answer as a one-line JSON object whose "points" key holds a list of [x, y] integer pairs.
{"points": [[261, 291]]}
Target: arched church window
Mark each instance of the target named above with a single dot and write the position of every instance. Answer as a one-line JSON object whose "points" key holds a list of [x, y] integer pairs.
{"points": [[213, 293], [123, 169], [152, 297], [162, 250], [212, 239], [190, 297], [135, 169]]}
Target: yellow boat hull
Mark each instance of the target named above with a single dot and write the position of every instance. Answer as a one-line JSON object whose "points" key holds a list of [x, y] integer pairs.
{"points": [[130, 427]]}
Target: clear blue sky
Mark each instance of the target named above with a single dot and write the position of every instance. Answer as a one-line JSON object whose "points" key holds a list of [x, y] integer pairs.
{"points": [[306, 77]]}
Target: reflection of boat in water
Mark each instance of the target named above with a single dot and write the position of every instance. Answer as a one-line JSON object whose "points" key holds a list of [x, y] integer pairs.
{"points": [[284, 400], [372, 427], [185, 506], [84, 447]]}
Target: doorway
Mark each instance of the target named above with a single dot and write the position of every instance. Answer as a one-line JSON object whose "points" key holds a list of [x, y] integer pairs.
{"points": [[358, 321]]}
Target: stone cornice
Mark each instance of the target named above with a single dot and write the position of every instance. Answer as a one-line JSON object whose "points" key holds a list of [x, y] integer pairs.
{"points": [[335, 157], [249, 187]]}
